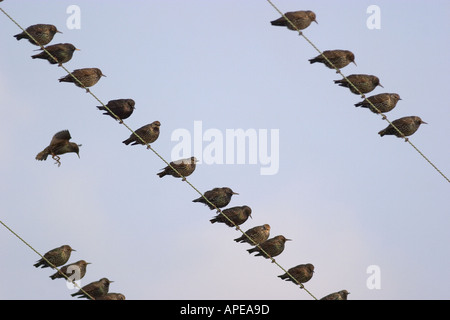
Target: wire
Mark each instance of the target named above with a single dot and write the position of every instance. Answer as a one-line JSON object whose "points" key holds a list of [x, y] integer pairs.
{"points": [[362, 95], [161, 157]]}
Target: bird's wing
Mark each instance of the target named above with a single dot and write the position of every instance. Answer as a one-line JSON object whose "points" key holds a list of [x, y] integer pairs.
{"points": [[61, 135]]}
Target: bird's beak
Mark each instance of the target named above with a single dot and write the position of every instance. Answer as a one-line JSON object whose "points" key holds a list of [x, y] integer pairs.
{"points": [[88, 262], [250, 216], [57, 31], [74, 250], [316, 21], [423, 122], [77, 49], [235, 193], [78, 156], [354, 63], [288, 239], [380, 85], [103, 75]]}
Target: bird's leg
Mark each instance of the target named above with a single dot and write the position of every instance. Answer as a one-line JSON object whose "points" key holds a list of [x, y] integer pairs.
{"points": [[148, 147], [363, 96], [87, 90], [300, 33], [184, 179], [406, 139], [56, 158]]}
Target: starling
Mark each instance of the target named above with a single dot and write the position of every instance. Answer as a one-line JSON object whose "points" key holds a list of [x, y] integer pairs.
{"points": [[339, 58], [42, 33], [407, 125], [87, 76], [63, 52], [220, 197], [384, 102], [302, 273], [301, 20], [185, 167], [95, 289], [122, 108], [78, 268], [273, 247], [363, 82], [112, 296], [57, 257], [258, 234], [236, 214], [341, 295], [149, 133], [59, 145]]}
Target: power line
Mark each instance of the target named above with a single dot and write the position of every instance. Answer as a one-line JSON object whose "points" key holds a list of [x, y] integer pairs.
{"points": [[356, 89], [161, 157]]}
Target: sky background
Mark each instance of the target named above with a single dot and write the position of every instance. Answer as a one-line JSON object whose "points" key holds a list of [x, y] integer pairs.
{"points": [[346, 197]]}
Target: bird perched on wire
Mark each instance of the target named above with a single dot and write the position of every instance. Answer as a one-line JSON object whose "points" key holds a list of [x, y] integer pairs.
{"points": [[185, 167], [63, 52], [149, 133], [57, 257], [122, 108], [272, 247], [59, 145], [94, 289], [340, 295], [384, 102], [300, 19], [238, 215], [407, 126], [87, 76], [112, 296], [302, 273], [42, 33], [220, 197], [74, 271], [338, 58], [363, 82], [258, 234]]}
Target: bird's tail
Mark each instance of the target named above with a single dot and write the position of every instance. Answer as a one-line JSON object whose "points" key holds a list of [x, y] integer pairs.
{"points": [[101, 108], [53, 277], [382, 132], [20, 36], [252, 250], [213, 220], [128, 141], [313, 60], [161, 174], [279, 22], [198, 200], [38, 264], [359, 104], [42, 155], [240, 239]]}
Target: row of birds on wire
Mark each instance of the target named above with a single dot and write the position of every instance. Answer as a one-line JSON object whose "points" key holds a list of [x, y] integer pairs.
{"points": [[218, 197]]}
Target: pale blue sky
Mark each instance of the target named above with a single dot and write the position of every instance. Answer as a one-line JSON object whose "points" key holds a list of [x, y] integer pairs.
{"points": [[348, 198]]}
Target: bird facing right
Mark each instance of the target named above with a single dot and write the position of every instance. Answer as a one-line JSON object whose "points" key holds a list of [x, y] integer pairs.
{"points": [[219, 197], [149, 133], [406, 125], [94, 289], [185, 168], [63, 52], [258, 234], [75, 270], [57, 257], [238, 215], [384, 102], [122, 108], [272, 247], [87, 76], [59, 145], [300, 19], [338, 58], [340, 295], [364, 83], [302, 273], [42, 33]]}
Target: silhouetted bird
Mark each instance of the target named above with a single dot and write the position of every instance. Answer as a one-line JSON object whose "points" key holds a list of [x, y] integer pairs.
{"points": [[63, 52], [57, 257], [94, 289], [220, 197], [112, 296], [341, 295], [407, 125], [75, 270], [42, 33], [236, 214], [122, 108], [59, 145], [149, 133], [87, 76], [384, 102], [273, 247], [302, 273], [185, 167], [301, 20], [258, 234], [363, 82], [339, 58]]}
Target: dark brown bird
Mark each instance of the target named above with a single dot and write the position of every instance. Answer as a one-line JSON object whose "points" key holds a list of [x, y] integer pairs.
{"points": [[236, 214], [185, 167], [384, 102], [112, 296], [63, 52], [407, 125], [341, 295], [57, 257], [122, 108], [87, 76], [258, 234], [42, 33], [59, 145], [95, 289], [149, 133], [273, 247], [302, 273], [77, 269], [220, 197], [363, 82], [301, 20], [338, 58]]}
